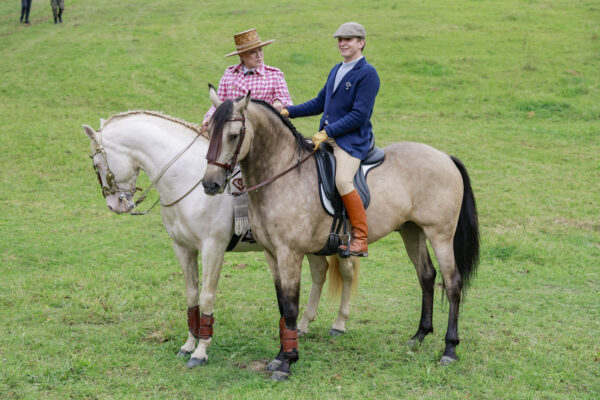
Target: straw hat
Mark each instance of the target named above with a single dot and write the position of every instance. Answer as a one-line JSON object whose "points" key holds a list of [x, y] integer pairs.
{"points": [[247, 40]]}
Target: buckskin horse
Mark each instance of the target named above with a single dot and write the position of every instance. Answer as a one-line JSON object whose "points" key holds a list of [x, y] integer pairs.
{"points": [[418, 191], [172, 154]]}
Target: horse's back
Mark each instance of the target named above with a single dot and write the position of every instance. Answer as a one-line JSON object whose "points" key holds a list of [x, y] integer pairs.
{"points": [[416, 183]]}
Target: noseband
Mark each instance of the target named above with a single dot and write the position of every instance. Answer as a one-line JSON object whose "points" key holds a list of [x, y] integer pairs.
{"points": [[229, 167], [111, 186]]}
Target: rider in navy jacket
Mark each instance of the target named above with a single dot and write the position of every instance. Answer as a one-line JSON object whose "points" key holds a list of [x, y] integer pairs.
{"points": [[346, 102], [347, 110]]}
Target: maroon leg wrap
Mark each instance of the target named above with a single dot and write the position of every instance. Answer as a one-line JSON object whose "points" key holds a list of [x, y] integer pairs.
{"points": [[281, 327], [289, 339], [193, 314], [206, 326], [200, 326]]}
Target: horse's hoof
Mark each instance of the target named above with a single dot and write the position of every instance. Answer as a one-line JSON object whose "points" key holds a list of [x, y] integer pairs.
{"points": [[336, 332], [279, 376], [194, 362], [447, 360], [413, 344], [273, 365], [183, 353]]}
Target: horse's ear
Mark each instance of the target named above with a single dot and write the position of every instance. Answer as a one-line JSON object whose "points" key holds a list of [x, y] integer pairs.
{"points": [[243, 103], [102, 121], [91, 133], [212, 94]]}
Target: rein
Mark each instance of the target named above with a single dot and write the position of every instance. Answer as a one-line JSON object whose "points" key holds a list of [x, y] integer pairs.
{"points": [[273, 179], [230, 167]]}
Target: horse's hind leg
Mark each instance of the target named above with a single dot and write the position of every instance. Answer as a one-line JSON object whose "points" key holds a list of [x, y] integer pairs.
{"points": [[318, 272], [416, 247], [444, 252], [347, 273]]}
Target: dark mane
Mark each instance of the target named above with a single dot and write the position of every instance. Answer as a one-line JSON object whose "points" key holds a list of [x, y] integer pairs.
{"points": [[302, 141], [221, 116]]}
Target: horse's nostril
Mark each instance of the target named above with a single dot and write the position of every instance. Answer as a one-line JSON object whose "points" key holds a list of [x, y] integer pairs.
{"points": [[110, 208]]}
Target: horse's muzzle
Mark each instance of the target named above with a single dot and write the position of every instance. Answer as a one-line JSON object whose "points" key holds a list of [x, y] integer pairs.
{"points": [[119, 204], [211, 188]]}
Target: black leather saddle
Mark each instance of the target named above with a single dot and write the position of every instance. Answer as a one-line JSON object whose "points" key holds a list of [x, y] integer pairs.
{"points": [[330, 198]]}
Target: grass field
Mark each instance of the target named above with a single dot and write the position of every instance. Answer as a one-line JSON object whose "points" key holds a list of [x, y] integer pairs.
{"points": [[92, 304]]}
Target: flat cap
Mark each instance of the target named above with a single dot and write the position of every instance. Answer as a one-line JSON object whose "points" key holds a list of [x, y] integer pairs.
{"points": [[351, 29]]}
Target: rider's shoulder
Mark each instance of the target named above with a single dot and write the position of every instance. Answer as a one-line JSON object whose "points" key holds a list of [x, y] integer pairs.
{"points": [[232, 68], [272, 69]]}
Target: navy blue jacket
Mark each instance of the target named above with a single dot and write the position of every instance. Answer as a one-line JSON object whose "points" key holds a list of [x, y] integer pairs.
{"points": [[347, 110]]}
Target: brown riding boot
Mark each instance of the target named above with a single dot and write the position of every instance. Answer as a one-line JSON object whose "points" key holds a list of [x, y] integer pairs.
{"points": [[358, 219]]}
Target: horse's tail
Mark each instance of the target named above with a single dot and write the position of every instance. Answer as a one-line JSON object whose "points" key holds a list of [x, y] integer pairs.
{"points": [[466, 237], [335, 283]]}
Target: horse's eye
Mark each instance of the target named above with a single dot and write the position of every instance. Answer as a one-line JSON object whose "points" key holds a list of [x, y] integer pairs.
{"points": [[233, 136]]}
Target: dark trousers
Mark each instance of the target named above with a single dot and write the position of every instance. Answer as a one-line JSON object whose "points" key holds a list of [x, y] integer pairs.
{"points": [[25, 9]]}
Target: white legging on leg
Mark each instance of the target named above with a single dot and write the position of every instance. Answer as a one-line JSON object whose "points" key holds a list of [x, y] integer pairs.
{"points": [[346, 167]]}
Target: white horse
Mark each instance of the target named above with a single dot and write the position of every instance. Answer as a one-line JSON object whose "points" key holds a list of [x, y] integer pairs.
{"points": [[172, 153]]}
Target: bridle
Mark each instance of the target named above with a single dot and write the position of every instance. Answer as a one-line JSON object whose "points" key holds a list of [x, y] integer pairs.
{"points": [[111, 186], [230, 166]]}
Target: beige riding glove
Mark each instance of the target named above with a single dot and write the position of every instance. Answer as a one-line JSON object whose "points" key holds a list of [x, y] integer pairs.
{"points": [[319, 138], [284, 113]]}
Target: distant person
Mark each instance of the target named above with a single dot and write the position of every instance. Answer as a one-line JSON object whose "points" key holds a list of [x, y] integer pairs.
{"points": [[25, 9], [251, 74], [57, 9]]}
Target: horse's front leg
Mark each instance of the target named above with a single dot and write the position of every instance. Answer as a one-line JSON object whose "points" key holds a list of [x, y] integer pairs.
{"points": [[188, 259], [286, 274], [213, 252], [318, 272]]}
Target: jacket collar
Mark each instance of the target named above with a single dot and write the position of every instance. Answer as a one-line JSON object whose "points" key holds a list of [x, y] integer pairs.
{"points": [[358, 65], [260, 70]]}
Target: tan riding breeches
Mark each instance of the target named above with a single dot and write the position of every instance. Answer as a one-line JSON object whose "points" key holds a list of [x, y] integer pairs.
{"points": [[346, 167]]}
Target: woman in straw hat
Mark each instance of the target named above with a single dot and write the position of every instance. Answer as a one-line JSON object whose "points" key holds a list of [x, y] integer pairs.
{"points": [[251, 74]]}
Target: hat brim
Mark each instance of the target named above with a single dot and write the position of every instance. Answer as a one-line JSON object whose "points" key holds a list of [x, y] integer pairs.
{"points": [[257, 45]]}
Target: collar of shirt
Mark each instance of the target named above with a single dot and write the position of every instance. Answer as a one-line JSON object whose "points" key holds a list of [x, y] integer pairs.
{"points": [[352, 63], [260, 70]]}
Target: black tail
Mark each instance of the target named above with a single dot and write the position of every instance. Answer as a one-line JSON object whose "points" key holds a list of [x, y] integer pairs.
{"points": [[466, 238]]}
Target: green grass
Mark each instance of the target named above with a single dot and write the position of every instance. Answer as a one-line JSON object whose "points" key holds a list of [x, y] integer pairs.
{"points": [[92, 303]]}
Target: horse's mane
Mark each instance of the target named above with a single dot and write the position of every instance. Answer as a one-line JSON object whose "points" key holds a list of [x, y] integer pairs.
{"points": [[302, 141], [223, 114], [218, 120], [194, 127]]}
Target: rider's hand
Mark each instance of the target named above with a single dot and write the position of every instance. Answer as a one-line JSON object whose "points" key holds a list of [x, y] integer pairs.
{"points": [[278, 105], [284, 113], [319, 138], [205, 124]]}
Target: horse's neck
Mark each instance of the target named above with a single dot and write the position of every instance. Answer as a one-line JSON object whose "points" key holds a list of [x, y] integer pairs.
{"points": [[152, 144], [274, 148]]}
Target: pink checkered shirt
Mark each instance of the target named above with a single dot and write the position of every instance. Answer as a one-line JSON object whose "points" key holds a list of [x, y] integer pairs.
{"points": [[266, 84]]}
